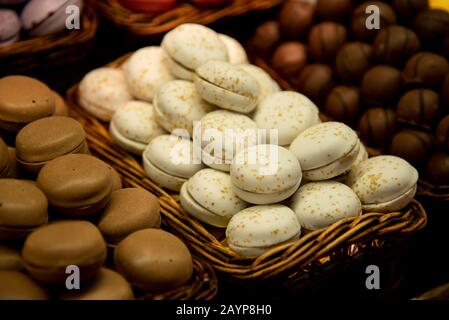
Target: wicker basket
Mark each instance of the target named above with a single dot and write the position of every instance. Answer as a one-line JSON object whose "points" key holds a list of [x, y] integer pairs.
{"points": [[292, 265], [142, 24], [48, 57]]}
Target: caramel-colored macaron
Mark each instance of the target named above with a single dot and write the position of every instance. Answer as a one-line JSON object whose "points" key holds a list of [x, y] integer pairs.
{"points": [[23, 100], [107, 285], [15, 285], [61, 108], [153, 260], [129, 210], [48, 138], [10, 258], [76, 184], [50, 249], [116, 179], [4, 158], [23, 207], [13, 170]]}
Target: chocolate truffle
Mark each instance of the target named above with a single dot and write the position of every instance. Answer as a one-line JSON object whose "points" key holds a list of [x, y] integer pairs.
{"points": [[129, 210], [23, 100], [353, 60], [359, 19], [342, 104], [48, 251], [381, 85], [16, 285], [45, 139], [10, 258], [76, 184], [153, 260], [432, 26], [334, 10], [107, 285], [445, 91], [295, 18], [315, 81], [23, 208], [413, 146], [395, 45], [325, 39], [266, 37], [425, 69], [442, 133], [377, 127], [290, 58], [410, 8], [419, 107], [437, 169]]}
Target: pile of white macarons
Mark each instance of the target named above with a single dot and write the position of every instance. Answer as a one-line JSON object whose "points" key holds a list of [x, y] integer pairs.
{"points": [[307, 177]]}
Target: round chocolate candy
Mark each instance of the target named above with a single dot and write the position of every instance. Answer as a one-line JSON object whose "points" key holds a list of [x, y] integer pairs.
{"points": [[342, 104], [410, 8], [432, 26], [360, 19], [377, 127], [442, 133], [266, 37], [437, 169], [353, 60], [381, 85], [334, 10], [413, 146], [425, 69], [445, 90], [290, 58], [420, 107], [315, 81], [295, 18], [325, 39], [395, 45]]}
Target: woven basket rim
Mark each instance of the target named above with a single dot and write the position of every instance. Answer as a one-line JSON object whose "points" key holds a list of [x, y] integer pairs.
{"points": [[283, 259]]}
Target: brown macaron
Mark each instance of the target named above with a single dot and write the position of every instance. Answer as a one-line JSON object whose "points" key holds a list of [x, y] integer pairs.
{"points": [[342, 104], [289, 58], [437, 169], [419, 107], [10, 258], [107, 285], [61, 108], [76, 185], [129, 210], [116, 179], [353, 60], [49, 250], [13, 171], [153, 260], [377, 127], [23, 100], [315, 81], [381, 86], [45, 139], [295, 18], [334, 10], [413, 146], [325, 39], [23, 208], [359, 19], [4, 158], [15, 285], [425, 69], [442, 133]]}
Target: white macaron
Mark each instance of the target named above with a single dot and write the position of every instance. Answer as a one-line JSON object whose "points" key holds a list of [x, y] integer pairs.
{"points": [[170, 161], [265, 174], [146, 71], [384, 183], [223, 134], [236, 52], [266, 83], [257, 229], [134, 125], [208, 197], [320, 204], [326, 150], [288, 112], [227, 86], [178, 105], [188, 46], [102, 91]]}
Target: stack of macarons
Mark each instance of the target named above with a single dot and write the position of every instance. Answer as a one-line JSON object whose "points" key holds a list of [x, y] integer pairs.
{"points": [[61, 206], [34, 18]]}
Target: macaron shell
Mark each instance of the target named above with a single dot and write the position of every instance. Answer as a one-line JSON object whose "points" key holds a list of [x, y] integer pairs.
{"points": [[236, 52], [289, 112], [61, 108], [9, 26], [392, 205], [146, 71], [320, 204], [179, 71], [178, 105], [10, 258], [212, 189], [15, 285], [125, 143], [323, 143], [4, 156], [266, 83], [216, 163], [381, 179], [162, 178], [262, 226]]}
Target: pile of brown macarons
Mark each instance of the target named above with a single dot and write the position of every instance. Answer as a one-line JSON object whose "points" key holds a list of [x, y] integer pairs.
{"points": [[392, 84], [61, 207]]}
